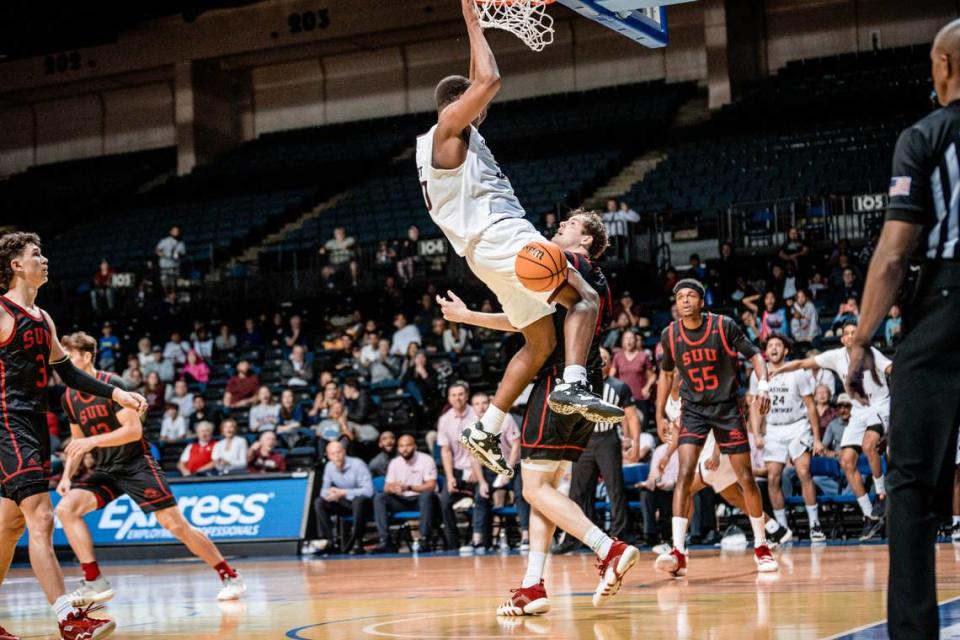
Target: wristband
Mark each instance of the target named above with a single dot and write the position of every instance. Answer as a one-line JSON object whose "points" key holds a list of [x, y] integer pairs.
{"points": [[763, 386]]}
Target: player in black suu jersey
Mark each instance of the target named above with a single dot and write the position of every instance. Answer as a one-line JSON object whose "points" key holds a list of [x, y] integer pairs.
{"points": [[28, 349], [551, 442], [703, 348], [123, 465]]}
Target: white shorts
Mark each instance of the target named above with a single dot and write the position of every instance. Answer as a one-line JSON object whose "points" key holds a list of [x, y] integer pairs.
{"points": [[863, 418], [787, 442], [724, 476], [492, 259]]}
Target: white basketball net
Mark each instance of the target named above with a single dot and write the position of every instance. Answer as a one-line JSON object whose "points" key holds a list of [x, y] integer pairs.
{"points": [[526, 19]]}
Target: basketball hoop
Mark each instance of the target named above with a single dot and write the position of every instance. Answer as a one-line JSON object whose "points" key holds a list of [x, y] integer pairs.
{"points": [[526, 19]]}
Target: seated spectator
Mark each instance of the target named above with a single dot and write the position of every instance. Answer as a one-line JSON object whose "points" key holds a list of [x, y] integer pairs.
{"points": [[410, 485], [617, 218], [487, 480], [347, 490], [848, 313], [265, 415], [833, 434], [893, 327], [202, 344], [291, 413], [145, 351], [159, 365], [347, 357], [294, 335], [179, 395], [368, 353], [108, 348], [230, 453], [428, 312], [251, 336], [102, 294], [155, 392], [420, 381], [133, 364], [456, 338], [225, 340], [385, 258], [485, 333], [262, 456], [357, 401], [173, 427], [461, 471], [325, 398], [337, 425], [550, 225], [646, 446], [295, 370], [197, 457], [656, 496], [403, 336], [176, 349], [385, 366], [135, 381], [408, 254], [749, 321], [195, 371], [826, 412], [849, 285], [433, 340], [387, 443], [794, 250], [616, 332], [805, 324], [818, 286], [200, 413], [241, 388], [341, 254], [773, 319]]}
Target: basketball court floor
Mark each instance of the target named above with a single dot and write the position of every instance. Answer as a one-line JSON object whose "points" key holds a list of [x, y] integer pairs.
{"points": [[824, 592]]}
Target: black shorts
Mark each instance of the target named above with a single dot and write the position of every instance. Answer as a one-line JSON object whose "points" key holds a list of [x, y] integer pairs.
{"points": [[546, 435], [726, 421], [141, 478], [24, 456]]}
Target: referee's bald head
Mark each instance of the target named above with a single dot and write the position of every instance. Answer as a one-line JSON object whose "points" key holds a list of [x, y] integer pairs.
{"points": [[945, 63]]}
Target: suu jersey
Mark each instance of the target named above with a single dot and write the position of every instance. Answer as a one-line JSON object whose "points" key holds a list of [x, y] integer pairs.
{"points": [[24, 358], [594, 277], [95, 416], [706, 359], [464, 201], [787, 391]]}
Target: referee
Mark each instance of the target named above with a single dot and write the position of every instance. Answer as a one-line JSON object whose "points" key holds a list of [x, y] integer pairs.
{"points": [[923, 223]]}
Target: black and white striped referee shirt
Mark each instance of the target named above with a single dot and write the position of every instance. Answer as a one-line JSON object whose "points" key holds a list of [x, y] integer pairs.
{"points": [[925, 183], [616, 392]]}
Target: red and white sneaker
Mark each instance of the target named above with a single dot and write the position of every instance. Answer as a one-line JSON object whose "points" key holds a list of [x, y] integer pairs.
{"points": [[620, 559], [531, 601], [764, 559], [6, 635], [80, 626], [674, 563]]}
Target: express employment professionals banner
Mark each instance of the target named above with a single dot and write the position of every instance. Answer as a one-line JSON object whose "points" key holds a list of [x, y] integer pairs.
{"points": [[227, 509]]}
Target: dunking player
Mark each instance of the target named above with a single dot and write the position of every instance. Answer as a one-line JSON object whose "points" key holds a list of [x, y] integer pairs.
{"points": [[28, 348], [703, 348], [792, 432], [124, 465], [551, 442], [868, 421], [475, 206]]}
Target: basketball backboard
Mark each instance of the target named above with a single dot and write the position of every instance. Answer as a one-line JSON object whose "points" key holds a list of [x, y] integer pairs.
{"points": [[642, 20]]}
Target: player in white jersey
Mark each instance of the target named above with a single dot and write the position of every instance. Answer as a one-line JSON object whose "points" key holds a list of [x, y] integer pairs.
{"points": [[868, 422], [475, 206], [789, 432]]}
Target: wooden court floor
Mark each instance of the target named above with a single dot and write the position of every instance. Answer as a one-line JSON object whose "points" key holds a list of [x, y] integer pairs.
{"points": [[819, 593]]}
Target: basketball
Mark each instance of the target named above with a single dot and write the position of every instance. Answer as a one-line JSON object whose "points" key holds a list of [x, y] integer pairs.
{"points": [[541, 266]]}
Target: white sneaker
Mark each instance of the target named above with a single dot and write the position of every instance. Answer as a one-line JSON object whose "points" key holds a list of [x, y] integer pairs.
{"points": [[524, 545], [92, 592], [232, 588], [764, 559], [466, 550], [662, 549]]}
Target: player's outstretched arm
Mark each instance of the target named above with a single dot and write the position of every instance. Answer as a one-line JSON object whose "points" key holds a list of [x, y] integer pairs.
{"points": [[77, 379], [455, 310], [131, 430], [484, 77], [794, 365]]}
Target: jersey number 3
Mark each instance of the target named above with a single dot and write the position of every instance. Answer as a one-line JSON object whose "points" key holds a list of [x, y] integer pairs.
{"points": [[703, 379]]}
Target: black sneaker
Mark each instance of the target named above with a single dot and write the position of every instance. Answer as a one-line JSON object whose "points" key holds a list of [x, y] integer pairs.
{"points": [[574, 397], [485, 447], [712, 538], [780, 537], [568, 545], [817, 534], [871, 527]]}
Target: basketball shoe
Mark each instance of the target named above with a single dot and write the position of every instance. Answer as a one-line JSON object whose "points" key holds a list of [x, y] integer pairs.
{"points": [[531, 601], [485, 447], [871, 527], [817, 534], [779, 536], [232, 588], [91, 592], [621, 558], [673, 562], [6, 635], [764, 559], [78, 625], [575, 397]]}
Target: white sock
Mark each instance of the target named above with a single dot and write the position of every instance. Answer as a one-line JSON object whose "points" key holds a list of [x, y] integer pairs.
{"points": [[680, 534], [759, 533], [772, 526], [781, 516], [597, 540], [575, 373], [536, 561], [492, 420], [62, 607], [813, 514], [956, 520], [878, 485], [865, 505]]}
